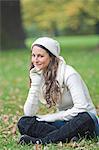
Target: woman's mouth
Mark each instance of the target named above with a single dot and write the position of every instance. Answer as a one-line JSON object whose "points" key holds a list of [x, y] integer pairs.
{"points": [[37, 65]]}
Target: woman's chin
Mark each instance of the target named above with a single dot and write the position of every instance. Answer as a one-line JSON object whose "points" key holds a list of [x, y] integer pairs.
{"points": [[38, 67]]}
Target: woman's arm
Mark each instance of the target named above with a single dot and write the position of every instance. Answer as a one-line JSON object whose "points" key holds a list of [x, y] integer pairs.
{"points": [[31, 104]]}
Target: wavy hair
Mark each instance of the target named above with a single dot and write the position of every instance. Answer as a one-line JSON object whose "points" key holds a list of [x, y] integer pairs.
{"points": [[51, 88]]}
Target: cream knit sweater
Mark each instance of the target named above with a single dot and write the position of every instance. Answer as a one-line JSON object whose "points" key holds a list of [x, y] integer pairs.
{"points": [[75, 95]]}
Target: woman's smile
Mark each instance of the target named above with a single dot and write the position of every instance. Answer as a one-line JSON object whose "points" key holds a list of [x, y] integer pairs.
{"points": [[40, 58]]}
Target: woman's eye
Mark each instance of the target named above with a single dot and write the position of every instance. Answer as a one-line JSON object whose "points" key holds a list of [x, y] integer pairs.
{"points": [[33, 55], [41, 56]]}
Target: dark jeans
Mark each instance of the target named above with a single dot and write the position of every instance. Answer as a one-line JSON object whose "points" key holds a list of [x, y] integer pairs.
{"points": [[80, 125], [96, 122]]}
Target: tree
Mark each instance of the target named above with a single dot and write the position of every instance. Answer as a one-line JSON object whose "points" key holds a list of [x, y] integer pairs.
{"points": [[92, 13], [46, 15], [55, 16], [11, 34], [82, 15]]}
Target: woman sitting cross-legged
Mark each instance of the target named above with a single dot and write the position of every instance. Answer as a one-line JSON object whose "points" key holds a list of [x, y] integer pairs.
{"points": [[54, 83]]}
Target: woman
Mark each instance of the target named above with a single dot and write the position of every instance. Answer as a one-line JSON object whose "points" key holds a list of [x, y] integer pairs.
{"points": [[55, 83]]}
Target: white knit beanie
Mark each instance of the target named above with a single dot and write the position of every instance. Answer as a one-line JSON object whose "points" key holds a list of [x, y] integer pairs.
{"points": [[50, 44]]}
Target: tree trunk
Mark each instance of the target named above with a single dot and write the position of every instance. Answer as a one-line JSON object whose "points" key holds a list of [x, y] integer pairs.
{"points": [[97, 27], [11, 35]]}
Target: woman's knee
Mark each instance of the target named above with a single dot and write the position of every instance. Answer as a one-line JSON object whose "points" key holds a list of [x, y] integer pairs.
{"points": [[24, 123], [21, 125], [85, 124], [20, 122]]}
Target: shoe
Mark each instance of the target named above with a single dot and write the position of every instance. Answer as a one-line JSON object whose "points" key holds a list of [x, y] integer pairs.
{"points": [[25, 139]]}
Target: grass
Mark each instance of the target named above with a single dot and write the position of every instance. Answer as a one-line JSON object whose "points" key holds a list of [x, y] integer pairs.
{"points": [[80, 51]]}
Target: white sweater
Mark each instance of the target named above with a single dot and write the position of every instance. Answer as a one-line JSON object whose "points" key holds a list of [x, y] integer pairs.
{"points": [[75, 95]]}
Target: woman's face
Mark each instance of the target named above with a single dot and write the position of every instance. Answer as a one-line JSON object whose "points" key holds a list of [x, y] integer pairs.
{"points": [[40, 58]]}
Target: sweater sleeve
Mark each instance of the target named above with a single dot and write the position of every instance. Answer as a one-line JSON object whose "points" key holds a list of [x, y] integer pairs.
{"points": [[31, 104]]}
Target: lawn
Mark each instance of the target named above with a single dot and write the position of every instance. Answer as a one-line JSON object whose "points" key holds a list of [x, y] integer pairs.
{"points": [[81, 52]]}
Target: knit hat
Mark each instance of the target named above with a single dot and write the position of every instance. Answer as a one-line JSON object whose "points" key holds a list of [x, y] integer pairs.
{"points": [[50, 44]]}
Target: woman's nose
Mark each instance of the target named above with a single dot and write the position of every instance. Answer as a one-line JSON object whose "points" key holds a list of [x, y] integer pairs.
{"points": [[36, 58]]}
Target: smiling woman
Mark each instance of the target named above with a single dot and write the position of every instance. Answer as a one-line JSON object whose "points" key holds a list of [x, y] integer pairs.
{"points": [[40, 58], [54, 83]]}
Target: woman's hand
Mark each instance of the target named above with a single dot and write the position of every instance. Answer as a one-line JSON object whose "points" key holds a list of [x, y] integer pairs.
{"points": [[51, 117], [47, 118]]}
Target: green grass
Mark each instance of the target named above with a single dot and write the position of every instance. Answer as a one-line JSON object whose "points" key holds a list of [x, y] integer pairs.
{"points": [[80, 51]]}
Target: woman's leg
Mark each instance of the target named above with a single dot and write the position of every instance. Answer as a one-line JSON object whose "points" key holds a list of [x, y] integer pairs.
{"points": [[79, 125], [96, 121], [30, 126], [57, 123]]}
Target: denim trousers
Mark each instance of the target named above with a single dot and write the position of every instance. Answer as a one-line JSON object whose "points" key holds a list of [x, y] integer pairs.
{"points": [[53, 132], [96, 122], [58, 124]]}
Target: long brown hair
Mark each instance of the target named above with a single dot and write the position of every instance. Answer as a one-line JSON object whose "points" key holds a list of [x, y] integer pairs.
{"points": [[51, 88]]}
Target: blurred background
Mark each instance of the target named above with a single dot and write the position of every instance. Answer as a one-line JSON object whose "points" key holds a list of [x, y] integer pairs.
{"points": [[22, 19]]}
